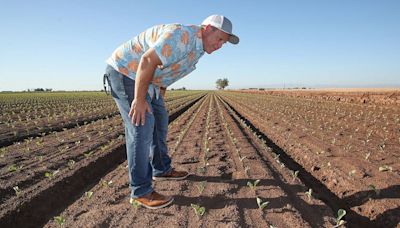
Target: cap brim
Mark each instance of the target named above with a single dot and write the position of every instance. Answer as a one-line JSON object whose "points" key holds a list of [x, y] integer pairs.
{"points": [[233, 39]]}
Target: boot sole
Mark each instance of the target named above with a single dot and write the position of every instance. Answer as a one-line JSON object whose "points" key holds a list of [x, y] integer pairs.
{"points": [[170, 178], [152, 207]]}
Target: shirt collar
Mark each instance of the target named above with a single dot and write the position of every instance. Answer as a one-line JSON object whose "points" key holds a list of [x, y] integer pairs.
{"points": [[199, 41]]}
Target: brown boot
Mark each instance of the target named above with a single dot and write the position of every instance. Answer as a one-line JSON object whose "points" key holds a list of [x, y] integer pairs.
{"points": [[153, 200], [172, 175]]}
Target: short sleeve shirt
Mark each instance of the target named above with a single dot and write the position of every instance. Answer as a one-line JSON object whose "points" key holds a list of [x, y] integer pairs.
{"points": [[179, 48]]}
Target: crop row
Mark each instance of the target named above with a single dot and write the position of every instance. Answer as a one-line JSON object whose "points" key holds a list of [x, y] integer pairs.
{"points": [[353, 171], [219, 193], [28, 168], [53, 112]]}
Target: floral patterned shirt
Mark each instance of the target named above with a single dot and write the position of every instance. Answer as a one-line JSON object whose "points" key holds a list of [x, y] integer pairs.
{"points": [[179, 48]]}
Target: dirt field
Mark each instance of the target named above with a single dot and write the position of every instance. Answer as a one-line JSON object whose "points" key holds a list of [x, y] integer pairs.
{"points": [[304, 154], [354, 95]]}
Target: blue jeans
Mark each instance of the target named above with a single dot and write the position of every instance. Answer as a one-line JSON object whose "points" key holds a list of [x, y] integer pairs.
{"points": [[146, 145]]}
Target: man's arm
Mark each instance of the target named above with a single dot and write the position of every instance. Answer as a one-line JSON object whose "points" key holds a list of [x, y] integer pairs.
{"points": [[144, 76]]}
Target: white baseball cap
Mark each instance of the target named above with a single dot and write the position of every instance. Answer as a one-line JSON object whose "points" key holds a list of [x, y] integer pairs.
{"points": [[224, 24]]}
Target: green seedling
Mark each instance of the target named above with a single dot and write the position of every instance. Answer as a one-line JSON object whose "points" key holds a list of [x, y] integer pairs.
{"points": [[88, 153], [60, 220], [309, 194], [135, 204], [103, 148], [2, 152], [48, 175], [201, 170], [51, 175], [89, 194], [295, 174], [367, 155], [253, 185], [71, 163], [12, 168], [341, 213], [198, 209], [205, 161], [261, 204], [372, 187], [352, 172], [107, 184], [201, 186], [385, 168], [17, 190]]}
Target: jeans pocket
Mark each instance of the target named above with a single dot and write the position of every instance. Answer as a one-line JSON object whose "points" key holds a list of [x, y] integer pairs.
{"points": [[116, 84]]}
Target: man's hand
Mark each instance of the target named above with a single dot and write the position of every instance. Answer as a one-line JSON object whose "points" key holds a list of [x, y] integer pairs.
{"points": [[138, 111], [147, 65], [162, 91]]}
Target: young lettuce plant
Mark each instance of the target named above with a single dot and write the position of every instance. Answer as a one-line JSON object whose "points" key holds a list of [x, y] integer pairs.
{"points": [[385, 168], [352, 172], [89, 194], [12, 168], [17, 190], [372, 187], [201, 186], [202, 170], [340, 214], [71, 164], [198, 209], [295, 174], [242, 158], [107, 184], [50, 175], [309, 194], [253, 185], [135, 204], [60, 220], [261, 204]]}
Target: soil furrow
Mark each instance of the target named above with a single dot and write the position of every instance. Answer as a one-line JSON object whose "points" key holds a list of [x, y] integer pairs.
{"points": [[51, 200], [321, 191]]}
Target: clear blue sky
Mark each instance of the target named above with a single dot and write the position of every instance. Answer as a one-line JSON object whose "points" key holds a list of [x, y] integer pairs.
{"points": [[342, 43]]}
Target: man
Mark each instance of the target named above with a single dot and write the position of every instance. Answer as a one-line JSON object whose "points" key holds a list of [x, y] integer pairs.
{"points": [[138, 73]]}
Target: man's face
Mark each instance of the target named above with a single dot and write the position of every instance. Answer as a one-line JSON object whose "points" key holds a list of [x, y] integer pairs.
{"points": [[213, 39]]}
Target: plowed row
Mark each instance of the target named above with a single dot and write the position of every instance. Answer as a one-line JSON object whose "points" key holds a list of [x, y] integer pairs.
{"points": [[42, 175], [349, 152], [303, 158], [223, 156]]}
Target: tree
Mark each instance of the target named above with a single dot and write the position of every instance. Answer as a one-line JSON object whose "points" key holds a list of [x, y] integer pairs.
{"points": [[222, 83]]}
